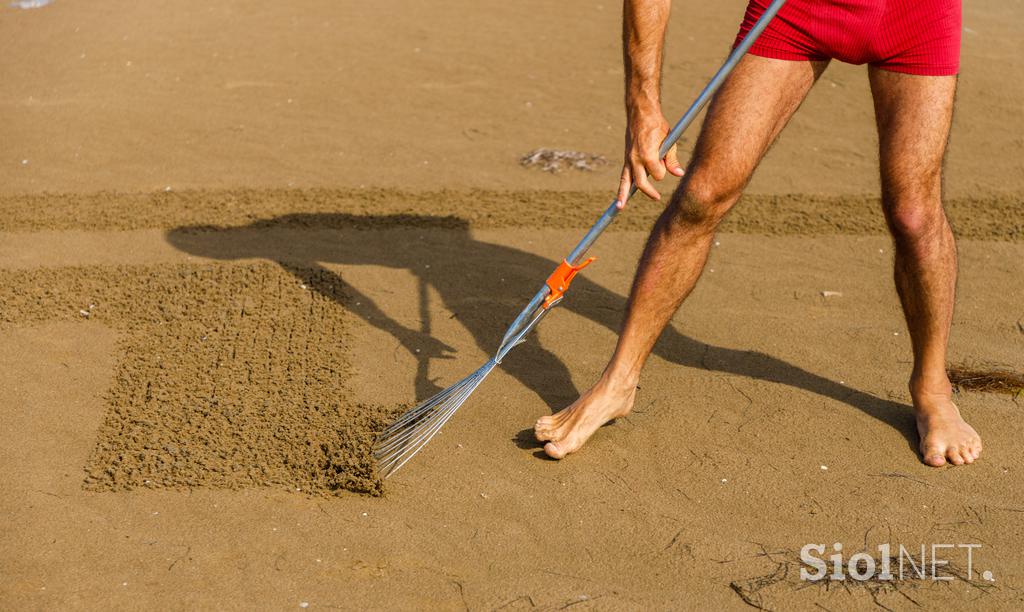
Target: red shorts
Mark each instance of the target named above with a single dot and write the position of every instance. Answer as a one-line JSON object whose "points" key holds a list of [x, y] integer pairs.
{"points": [[912, 36]]}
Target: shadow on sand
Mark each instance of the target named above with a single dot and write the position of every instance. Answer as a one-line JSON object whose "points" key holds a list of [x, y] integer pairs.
{"points": [[484, 285]]}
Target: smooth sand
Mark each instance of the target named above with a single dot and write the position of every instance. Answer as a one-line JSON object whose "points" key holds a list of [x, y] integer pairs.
{"points": [[191, 378]]}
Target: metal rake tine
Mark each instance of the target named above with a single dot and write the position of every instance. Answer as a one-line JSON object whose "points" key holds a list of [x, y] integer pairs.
{"points": [[424, 432], [405, 437], [400, 436], [399, 429], [409, 450], [424, 406], [437, 397], [402, 453], [429, 428], [399, 444], [429, 404], [409, 418]]}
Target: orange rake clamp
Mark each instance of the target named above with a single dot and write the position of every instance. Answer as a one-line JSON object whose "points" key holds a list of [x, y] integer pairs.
{"points": [[400, 441], [559, 281]]}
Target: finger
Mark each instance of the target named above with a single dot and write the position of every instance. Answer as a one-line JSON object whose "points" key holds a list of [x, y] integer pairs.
{"points": [[642, 182], [672, 162], [655, 167], [624, 184]]}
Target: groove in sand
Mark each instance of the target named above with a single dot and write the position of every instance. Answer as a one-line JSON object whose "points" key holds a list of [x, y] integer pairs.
{"points": [[989, 218]]}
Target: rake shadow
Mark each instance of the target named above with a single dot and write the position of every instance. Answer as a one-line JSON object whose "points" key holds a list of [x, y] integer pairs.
{"points": [[485, 285]]}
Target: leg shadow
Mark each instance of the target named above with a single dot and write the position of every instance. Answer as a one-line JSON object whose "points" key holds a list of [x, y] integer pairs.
{"points": [[484, 285]]}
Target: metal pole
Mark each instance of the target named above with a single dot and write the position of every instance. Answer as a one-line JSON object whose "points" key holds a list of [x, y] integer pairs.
{"points": [[527, 316], [684, 122]]}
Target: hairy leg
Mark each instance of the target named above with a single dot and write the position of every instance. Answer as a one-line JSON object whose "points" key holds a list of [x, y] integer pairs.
{"points": [[743, 120], [914, 114]]}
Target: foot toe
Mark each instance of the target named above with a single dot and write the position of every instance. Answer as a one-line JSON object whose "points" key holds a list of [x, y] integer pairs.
{"points": [[934, 458], [945, 437], [543, 433], [554, 451]]}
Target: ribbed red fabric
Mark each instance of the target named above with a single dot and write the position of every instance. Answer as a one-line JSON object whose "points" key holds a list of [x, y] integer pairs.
{"points": [[911, 36]]}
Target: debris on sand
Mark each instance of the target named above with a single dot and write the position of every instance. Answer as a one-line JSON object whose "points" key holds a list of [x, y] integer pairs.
{"points": [[828, 294], [555, 160], [987, 379]]}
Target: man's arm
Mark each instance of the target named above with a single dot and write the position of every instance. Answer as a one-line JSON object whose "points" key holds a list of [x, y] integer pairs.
{"points": [[644, 23]]}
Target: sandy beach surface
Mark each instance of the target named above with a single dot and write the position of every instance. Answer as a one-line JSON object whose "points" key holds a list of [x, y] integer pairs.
{"points": [[237, 239]]}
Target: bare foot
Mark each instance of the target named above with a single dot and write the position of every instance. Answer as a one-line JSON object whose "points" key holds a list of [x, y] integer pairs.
{"points": [[567, 430], [945, 436]]}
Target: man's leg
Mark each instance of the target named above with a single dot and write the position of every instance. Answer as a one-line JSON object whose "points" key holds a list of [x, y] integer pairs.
{"points": [[914, 114], [743, 120]]}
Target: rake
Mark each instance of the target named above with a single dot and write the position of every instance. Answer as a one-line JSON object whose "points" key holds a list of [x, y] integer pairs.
{"points": [[411, 431]]}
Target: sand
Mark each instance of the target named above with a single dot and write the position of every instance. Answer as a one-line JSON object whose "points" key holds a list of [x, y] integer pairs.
{"points": [[230, 376], [414, 96], [992, 217], [192, 376]]}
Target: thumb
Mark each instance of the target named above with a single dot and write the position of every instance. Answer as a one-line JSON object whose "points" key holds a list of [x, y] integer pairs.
{"points": [[672, 162]]}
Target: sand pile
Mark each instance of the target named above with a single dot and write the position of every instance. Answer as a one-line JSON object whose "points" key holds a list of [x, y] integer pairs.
{"points": [[231, 375]]}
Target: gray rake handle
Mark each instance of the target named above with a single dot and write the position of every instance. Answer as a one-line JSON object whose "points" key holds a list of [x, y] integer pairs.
{"points": [[533, 313]]}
